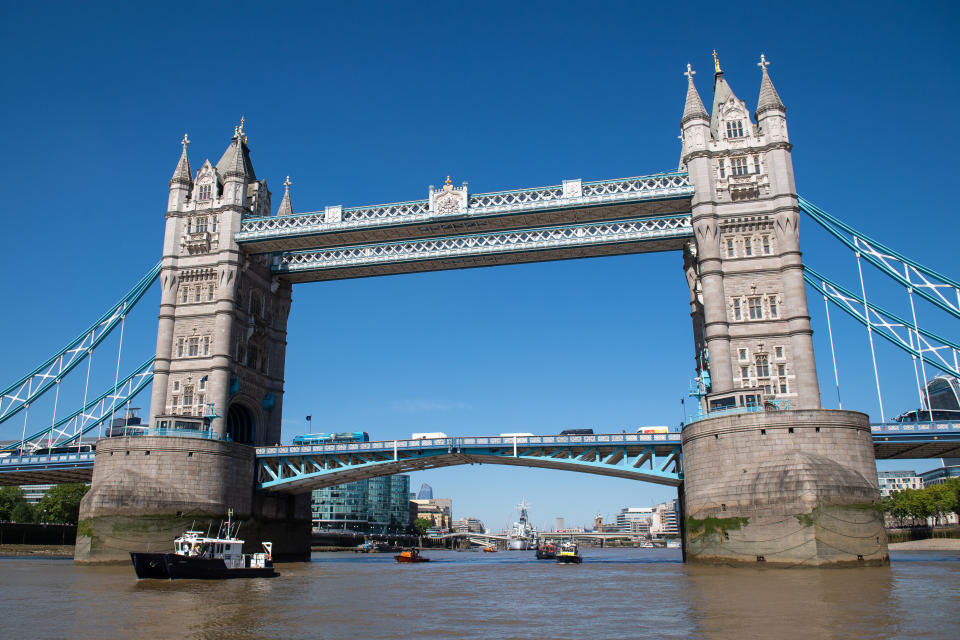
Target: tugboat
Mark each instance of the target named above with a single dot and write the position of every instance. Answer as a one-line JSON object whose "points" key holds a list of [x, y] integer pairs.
{"points": [[569, 554], [411, 555], [200, 557], [547, 551]]}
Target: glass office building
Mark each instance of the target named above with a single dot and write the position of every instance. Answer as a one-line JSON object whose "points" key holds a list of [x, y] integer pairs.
{"points": [[377, 505]]}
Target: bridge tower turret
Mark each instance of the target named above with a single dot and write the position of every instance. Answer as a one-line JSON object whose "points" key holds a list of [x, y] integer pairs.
{"points": [[748, 275], [222, 332]]}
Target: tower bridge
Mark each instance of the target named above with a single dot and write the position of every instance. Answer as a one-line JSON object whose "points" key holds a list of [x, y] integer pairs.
{"points": [[762, 451]]}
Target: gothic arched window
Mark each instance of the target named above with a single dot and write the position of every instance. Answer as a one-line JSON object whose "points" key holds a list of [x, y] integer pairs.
{"points": [[735, 129]]}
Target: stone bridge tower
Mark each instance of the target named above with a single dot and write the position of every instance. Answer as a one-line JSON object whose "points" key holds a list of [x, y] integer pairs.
{"points": [[788, 487], [221, 339], [751, 323], [219, 369]]}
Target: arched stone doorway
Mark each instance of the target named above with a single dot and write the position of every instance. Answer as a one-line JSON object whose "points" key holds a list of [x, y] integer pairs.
{"points": [[241, 426]]}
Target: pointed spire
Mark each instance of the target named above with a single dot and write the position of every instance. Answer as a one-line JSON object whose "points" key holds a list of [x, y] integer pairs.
{"points": [[286, 209], [769, 98], [693, 108], [722, 93], [182, 174], [235, 161]]}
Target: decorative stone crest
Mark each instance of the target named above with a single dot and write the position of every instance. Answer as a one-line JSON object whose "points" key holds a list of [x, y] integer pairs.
{"points": [[448, 200], [573, 188]]}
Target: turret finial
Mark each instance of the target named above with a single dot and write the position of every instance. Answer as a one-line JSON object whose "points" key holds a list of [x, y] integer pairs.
{"points": [[689, 72], [185, 142], [287, 183], [764, 63], [448, 182], [716, 62]]}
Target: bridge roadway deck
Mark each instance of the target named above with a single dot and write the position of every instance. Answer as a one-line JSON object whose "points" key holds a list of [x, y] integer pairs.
{"points": [[891, 441]]}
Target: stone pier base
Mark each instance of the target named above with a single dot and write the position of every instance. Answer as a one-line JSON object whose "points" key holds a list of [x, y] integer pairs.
{"points": [[148, 490], [783, 488]]}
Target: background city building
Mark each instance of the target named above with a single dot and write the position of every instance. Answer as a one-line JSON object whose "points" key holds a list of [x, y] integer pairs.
{"points": [[468, 525], [891, 481], [437, 510], [376, 505]]}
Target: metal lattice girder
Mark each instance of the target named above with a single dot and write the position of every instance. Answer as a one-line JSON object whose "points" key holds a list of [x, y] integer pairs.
{"points": [[72, 427], [485, 244], [634, 189], [916, 341], [296, 469], [930, 285], [20, 394]]}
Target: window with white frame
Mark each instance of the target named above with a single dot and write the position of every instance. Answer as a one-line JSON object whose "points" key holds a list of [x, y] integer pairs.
{"points": [[723, 169], [755, 308], [196, 294], [201, 224], [756, 164], [781, 369], [747, 246], [209, 292], [188, 395], [742, 354], [745, 373], [180, 347], [206, 345], [176, 385], [779, 352], [175, 401], [193, 347], [737, 312], [203, 383], [184, 293], [774, 311], [766, 245], [730, 250], [213, 224], [206, 191], [738, 167]]}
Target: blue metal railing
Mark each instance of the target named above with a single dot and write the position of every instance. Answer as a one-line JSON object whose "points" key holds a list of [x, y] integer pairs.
{"points": [[205, 434], [777, 405]]}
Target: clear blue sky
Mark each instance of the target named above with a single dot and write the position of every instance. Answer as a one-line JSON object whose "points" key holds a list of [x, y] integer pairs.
{"points": [[371, 103]]}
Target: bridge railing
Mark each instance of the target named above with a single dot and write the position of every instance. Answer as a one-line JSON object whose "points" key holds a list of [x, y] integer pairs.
{"points": [[461, 442], [46, 459], [941, 426], [663, 185], [768, 405]]}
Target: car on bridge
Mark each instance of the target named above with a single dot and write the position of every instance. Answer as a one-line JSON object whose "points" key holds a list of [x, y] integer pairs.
{"points": [[430, 435], [577, 432]]}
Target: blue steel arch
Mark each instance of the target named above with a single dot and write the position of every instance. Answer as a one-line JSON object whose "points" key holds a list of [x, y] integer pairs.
{"points": [[297, 469]]}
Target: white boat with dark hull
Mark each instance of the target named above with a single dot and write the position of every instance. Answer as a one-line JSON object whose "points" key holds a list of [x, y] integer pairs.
{"points": [[200, 557]]}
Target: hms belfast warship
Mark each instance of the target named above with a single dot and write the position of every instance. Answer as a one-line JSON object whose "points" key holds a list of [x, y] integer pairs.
{"points": [[523, 535]]}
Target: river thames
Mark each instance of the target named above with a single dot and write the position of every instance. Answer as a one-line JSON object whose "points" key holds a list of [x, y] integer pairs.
{"points": [[615, 593]]}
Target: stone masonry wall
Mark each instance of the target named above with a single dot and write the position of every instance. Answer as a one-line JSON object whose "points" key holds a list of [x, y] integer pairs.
{"points": [[782, 487]]}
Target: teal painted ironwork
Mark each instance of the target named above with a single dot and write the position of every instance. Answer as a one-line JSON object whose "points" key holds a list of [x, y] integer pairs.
{"points": [[646, 457], [32, 386]]}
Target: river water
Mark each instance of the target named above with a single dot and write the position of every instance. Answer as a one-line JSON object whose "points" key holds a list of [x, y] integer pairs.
{"points": [[615, 593]]}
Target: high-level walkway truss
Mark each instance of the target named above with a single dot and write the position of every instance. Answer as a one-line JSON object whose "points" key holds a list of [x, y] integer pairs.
{"points": [[454, 230]]}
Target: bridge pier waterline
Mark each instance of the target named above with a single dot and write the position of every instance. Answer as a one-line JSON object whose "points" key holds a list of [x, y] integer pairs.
{"points": [[782, 488], [148, 490]]}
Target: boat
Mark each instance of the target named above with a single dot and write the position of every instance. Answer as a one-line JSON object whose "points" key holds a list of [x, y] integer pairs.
{"points": [[569, 554], [547, 551], [411, 555], [201, 557], [489, 550], [673, 543], [523, 536]]}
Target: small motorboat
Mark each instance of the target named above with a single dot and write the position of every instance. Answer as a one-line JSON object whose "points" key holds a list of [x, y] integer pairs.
{"points": [[489, 550], [198, 556], [569, 554], [411, 555], [547, 551]]}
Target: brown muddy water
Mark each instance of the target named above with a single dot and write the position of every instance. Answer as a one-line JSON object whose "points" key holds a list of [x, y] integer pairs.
{"points": [[615, 593]]}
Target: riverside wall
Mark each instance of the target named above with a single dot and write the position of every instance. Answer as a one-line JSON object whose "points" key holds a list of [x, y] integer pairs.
{"points": [[784, 488]]}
